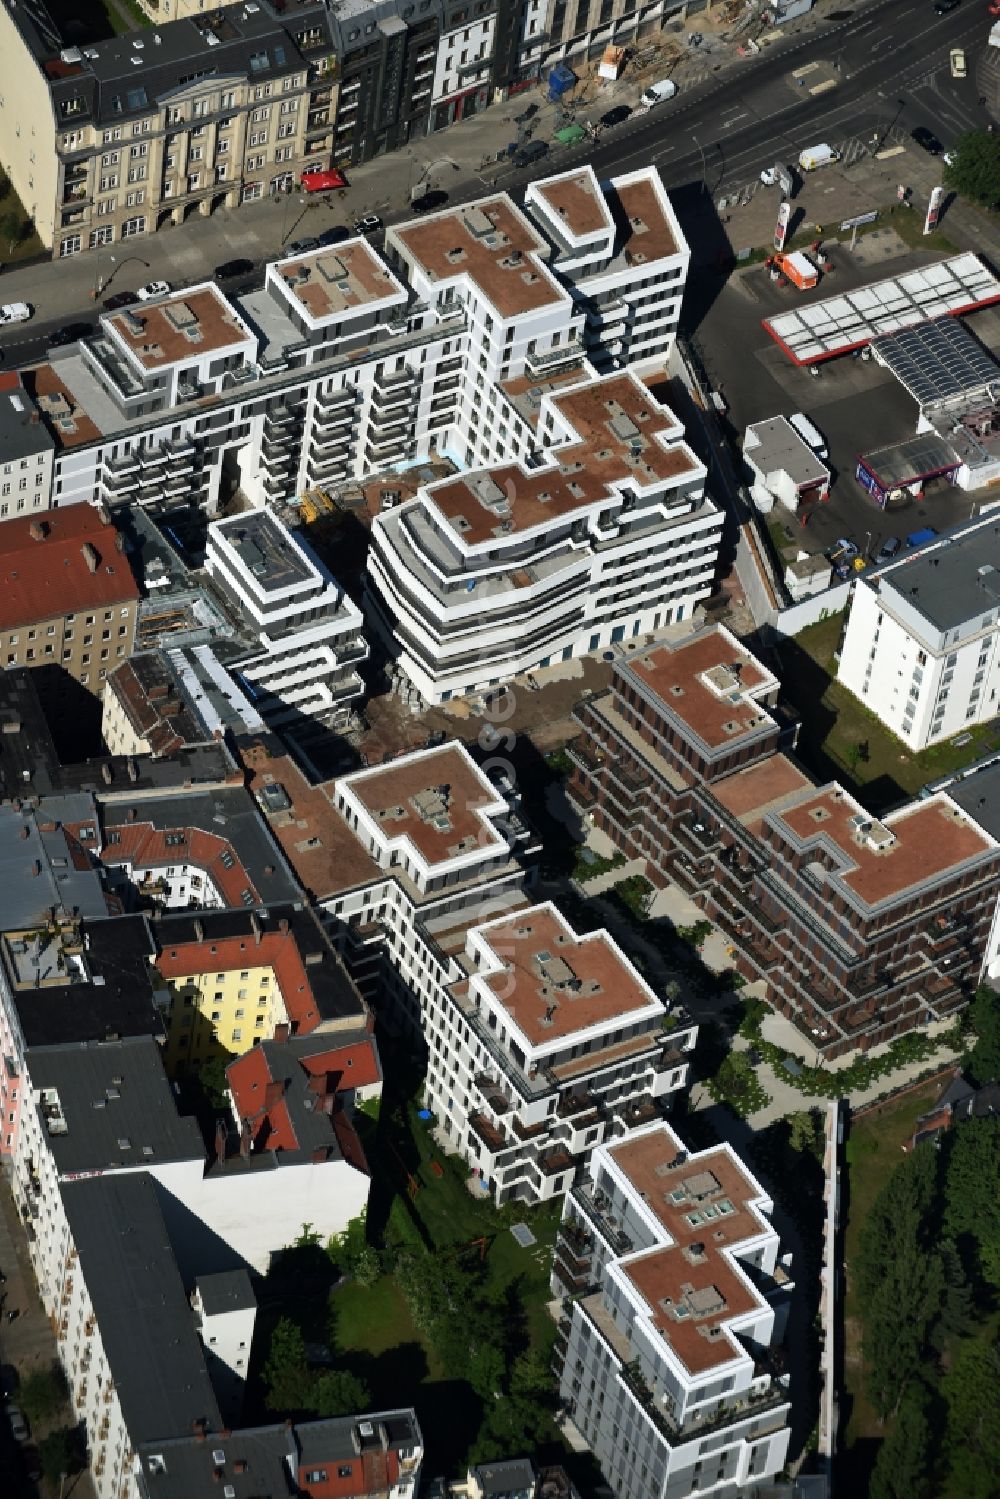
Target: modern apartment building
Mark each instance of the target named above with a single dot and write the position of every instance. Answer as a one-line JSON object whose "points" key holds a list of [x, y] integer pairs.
{"points": [[861, 928], [339, 368], [675, 1296], [921, 646], [67, 594], [497, 571], [109, 142], [539, 1042], [582, 31], [306, 670]]}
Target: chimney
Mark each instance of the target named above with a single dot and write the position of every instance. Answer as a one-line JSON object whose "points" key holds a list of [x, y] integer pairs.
{"points": [[240, 1465], [119, 541], [220, 1141], [107, 774], [133, 769], [104, 515], [319, 1155], [280, 1033], [90, 556], [38, 530], [133, 814], [198, 1427], [273, 1093], [245, 1140], [255, 924], [268, 868], [283, 926], [225, 1432]]}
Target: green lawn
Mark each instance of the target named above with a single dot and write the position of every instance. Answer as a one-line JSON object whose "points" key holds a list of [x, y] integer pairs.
{"points": [[873, 1150], [835, 725]]}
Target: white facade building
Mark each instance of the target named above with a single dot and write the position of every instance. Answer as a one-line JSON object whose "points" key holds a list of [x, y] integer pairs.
{"points": [[922, 644], [606, 534], [416, 866], [676, 1291], [225, 1309], [781, 467], [311, 645]]}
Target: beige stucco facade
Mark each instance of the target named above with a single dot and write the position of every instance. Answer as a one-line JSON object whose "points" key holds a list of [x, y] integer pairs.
{"points": [[27, 129]]}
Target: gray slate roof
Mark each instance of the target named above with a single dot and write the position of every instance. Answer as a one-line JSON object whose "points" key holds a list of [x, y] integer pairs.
{"points": [[225, 1291], [39, 868]]}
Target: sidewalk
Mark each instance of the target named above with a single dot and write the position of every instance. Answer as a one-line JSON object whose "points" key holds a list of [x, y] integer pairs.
{"points": [[27, 1344], [463, 161]]}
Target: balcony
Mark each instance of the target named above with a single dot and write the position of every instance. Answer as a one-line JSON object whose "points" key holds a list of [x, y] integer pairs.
{"points": [[493, 1093], [595, 1206], [552, 1162], [747, 1408], [574, 1103], [492, 1137], [547, 360]]}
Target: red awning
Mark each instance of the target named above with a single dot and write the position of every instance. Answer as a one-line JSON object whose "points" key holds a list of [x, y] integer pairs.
{"points": [[323, 182]]}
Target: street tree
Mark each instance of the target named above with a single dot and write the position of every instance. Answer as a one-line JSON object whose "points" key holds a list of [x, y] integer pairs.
{"points": [[975, 168]]}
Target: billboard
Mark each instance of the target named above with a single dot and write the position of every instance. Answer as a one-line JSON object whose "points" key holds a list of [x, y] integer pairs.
{"points": [[781, 227]]}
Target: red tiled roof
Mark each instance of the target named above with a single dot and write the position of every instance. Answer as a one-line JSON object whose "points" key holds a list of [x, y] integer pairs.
{"points": [[276, 950], [48, 578], [143, 846]]}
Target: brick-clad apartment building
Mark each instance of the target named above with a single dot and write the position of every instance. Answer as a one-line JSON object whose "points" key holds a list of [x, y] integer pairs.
{"points": [[861, 928]]}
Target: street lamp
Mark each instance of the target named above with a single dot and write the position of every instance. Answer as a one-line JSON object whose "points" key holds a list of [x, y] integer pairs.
{"points": [[704, 165], [101, 286]]}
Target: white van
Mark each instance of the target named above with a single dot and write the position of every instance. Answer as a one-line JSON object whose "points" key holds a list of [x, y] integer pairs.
{"points": [[810, 435], [659, 93]]}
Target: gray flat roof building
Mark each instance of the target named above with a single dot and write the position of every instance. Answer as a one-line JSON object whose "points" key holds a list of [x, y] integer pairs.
{"points": [[22, 433], [45, 861], [954, 583], [110, 1105], [146, 1324]]}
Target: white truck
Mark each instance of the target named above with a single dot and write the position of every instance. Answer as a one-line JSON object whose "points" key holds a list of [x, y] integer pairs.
{"points": [[818, 156], [659, 93]]}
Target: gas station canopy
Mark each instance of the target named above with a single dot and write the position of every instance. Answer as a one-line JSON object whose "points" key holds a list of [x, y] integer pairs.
{"points": [[836, 325]]}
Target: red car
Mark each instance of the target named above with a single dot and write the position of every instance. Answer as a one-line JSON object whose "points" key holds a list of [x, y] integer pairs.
{"points": [[323, 182]]}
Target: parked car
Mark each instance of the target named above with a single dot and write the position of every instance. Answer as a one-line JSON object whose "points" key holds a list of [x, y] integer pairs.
{"points": [[659, 93], [334, 236], [370, 223], [302, 246], [153, 289], [18, 1424], [927, 139], [120, 299], [843, 550], [428, 202], [532, 152], [616, 116], [888, 549], [15, 312], [230, 268], [945, 7], [957, 59], [70, 334]]}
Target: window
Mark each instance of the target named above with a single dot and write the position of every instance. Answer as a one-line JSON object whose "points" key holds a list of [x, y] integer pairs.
{"points": [[69, 246], [103, 236], [134, 226]]}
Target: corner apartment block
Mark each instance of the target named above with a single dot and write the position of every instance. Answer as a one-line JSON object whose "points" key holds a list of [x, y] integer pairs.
{"points": [[67, 594], [862, 928], [113, 140], [921, 647], [675, 1296]]}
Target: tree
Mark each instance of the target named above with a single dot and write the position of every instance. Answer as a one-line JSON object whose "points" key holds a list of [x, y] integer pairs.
{"points": [[975, 170], [972, 1208], [337, 1393], [61, 1452], [42, 1394], [983, 1063], [904, 1464], [973, 1428], [286, 1373], [900, 1281], [805, 1132], [215, 1084]]}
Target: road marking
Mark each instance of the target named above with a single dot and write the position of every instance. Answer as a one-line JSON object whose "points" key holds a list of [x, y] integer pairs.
{"points": [[810, 67], [892, 151], [821, 88]]}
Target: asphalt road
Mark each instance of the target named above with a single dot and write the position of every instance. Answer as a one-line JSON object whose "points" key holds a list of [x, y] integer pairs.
{"points": [[721, 131]]}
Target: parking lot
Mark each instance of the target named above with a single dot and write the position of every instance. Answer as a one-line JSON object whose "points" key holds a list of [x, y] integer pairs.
{"points": [[857, 405]]}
